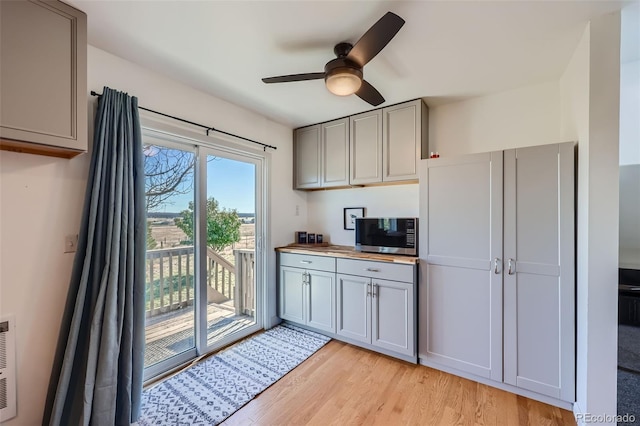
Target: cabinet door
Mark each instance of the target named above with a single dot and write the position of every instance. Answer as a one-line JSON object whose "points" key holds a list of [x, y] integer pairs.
{"points": [[354, 307], [401, 141], [321, 310], [392, 316], [366, 147], [539, 286], [461, 303], [292, 295], [306, 147], [335, 153], [43, 74]]}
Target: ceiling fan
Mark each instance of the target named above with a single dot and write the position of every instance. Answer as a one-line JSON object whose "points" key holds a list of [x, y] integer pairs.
{"points": [[343, 75]]}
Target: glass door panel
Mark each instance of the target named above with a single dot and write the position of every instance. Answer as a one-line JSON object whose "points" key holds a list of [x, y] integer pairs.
{"points": [[170, 260], [230, 247]]}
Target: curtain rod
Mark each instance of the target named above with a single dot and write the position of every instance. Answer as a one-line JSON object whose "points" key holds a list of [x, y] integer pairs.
{"points": [[208, 128]]}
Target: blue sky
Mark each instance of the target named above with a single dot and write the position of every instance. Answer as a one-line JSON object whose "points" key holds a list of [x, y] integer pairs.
{"points": [[230, 182]]}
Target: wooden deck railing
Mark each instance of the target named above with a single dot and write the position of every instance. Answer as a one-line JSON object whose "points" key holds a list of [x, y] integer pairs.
{"points": [[170, 279]]}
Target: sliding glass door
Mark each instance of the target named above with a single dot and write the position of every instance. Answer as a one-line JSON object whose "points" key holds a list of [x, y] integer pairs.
{"points": [[204, 222], [229, 227]]}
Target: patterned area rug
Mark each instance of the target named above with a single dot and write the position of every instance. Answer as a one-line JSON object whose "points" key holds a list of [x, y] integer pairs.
{"points": [[212, 390]]}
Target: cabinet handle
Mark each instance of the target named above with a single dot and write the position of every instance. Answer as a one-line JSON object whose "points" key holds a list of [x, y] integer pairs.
{"points": [[308, 262], [511, 266], [372, 269], [368, 289], [375, 290], [496, 264]]}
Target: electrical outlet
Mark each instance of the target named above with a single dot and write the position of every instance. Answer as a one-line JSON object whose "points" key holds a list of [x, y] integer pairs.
{"points": [[70, 243]]}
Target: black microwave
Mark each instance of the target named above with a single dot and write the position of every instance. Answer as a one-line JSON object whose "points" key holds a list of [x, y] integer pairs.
{"points": [[393, 235]]}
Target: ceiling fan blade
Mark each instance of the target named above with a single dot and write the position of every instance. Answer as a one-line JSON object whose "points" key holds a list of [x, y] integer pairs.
{"points": [[376, 38], [294, 77], [369, 94]]}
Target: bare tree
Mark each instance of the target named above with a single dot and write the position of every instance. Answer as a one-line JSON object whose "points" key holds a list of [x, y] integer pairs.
{"points": [[168, 172]]}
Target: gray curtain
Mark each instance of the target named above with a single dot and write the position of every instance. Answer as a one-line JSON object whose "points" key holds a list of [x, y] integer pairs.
{"points": [[97, 373]]}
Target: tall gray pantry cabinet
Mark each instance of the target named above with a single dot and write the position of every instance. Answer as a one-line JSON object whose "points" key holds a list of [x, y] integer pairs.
{"points": [[497, 291]]}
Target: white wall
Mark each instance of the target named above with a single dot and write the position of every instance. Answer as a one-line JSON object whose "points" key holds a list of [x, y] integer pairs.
{"points": [[524, 116], [574, 86], [41, 201], [590, 89], [325, 208]]}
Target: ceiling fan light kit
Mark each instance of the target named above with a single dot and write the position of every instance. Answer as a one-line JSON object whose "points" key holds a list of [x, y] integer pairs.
{"points": [[344, 82], [343, 75]]}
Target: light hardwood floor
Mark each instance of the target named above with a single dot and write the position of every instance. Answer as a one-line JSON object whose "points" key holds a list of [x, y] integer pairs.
{"points": [[345, 385]]}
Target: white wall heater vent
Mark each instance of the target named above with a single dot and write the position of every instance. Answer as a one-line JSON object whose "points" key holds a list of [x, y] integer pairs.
{"points": [[8, 406]]}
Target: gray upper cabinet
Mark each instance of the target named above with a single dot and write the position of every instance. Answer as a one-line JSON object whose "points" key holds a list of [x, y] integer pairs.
{"points": [[366, 148], [334, 153], [43, 78], [306, 150], [383, 145], [404, 140], [322, 155]]}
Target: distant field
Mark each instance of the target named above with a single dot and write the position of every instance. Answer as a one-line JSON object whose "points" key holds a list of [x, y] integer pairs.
{"points": [[168, 235]]}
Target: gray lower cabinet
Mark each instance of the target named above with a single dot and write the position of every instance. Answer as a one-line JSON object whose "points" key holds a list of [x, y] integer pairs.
{"points": [[497, 296], [307, 296], [376, 312], [375, 309]]}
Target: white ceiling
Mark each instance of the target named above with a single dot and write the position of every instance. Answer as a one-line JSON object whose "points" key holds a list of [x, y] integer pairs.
{"points": [[447, 50]]}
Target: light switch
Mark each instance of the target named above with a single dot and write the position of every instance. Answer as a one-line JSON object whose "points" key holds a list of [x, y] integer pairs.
{"points": [[70, 243]]}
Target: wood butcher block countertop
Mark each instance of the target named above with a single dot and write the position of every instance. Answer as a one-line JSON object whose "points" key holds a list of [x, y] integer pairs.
{"points": [[346, 252]]}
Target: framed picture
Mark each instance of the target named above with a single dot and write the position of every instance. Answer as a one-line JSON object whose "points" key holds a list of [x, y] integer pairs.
{"points": [[350, 215]]}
